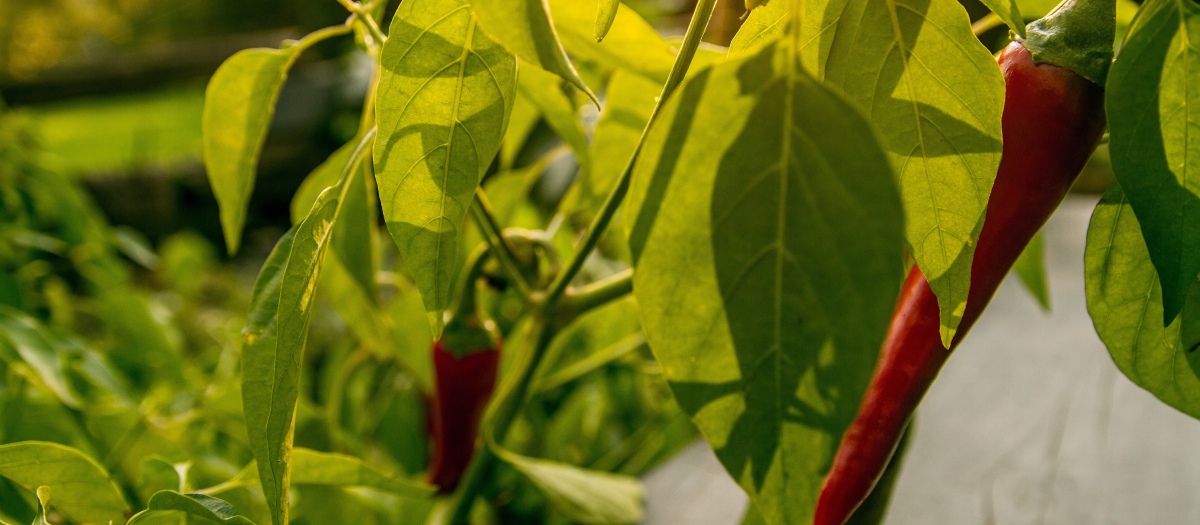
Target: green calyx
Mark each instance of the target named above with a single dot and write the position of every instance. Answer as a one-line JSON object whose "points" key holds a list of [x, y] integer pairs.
{"points": [[1077, 35], [466, 332]]}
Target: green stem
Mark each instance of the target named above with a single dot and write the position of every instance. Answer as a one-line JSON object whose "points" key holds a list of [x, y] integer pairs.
{"points": [[364, 15], [481, 211], [687, 50], [579, 301]]}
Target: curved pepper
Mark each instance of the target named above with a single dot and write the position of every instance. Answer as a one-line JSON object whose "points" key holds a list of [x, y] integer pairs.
{"points": [[463, 385], [1053, 120]]}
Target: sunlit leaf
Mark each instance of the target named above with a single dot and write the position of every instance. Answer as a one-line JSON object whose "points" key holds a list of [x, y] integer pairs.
{"points": [[238, 107], [1124, 298], [632, 43], [81, 488], [444, 94], [606, 13], [270, 377], [765, 207], [1010, 12], [29, 338], [525, 28], [1153, 108], [936, 95], [198, 505]]}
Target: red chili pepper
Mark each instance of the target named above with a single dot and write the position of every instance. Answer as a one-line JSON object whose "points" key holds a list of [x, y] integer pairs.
{"points": [[1053, 120], [464, 385]]}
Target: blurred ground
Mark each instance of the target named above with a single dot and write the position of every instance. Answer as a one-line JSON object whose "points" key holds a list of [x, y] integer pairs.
{"points": [[1030, 423]]}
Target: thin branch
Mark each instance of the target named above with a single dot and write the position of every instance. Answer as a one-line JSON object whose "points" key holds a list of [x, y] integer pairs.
{"points": [[481, 211], [691, 41]]}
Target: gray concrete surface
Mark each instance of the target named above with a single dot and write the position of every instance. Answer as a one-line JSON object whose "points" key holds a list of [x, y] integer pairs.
{"points": [[1030, 423]]}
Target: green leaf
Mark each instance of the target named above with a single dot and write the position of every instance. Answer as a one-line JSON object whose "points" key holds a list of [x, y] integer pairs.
{"points": [[766, 24], [606, 13], [585, 496], [766, 208], [524, 28], [936, 95], [632, 44], [238, 106], [1124, 298], [32, 343], [199, 505], [1031, 268], [629, 99], [82, 489], [271, 372], [310, 467], [1153, 107], [543, 90], [1010, 12], [444, 94]]}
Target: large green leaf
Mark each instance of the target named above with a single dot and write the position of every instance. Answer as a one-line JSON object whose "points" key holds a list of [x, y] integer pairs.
{"points": [[586, 496], [525, 28], [274, 344], [238, 106], [765, 207], [444, 95], [936, 95], [632, 43], [199, 505], [82, 489], [1124, 298], [1153, 107]]}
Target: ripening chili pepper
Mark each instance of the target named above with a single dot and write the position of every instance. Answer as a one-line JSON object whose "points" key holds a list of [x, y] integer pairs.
{"points": [[465, 362], [1053, 120]]}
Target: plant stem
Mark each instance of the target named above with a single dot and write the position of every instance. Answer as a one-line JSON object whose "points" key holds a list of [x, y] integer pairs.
{"points": [[481, 211], [365, 16], [615, 286], [687, 50]]}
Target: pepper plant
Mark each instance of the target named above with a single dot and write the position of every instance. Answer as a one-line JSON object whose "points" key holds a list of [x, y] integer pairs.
{"points": [[746, 213]]}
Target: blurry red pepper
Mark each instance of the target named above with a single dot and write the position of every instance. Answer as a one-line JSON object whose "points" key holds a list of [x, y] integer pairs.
{"points": [[465, 363], [1053, 120]]}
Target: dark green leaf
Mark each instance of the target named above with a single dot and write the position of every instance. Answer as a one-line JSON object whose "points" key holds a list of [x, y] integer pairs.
{"points": [[238, 107], [82, 489], [524, 28], [444, 94], [1153, 107], [1124, 299], [586, 496], [199, 505], [765, 207], [1031, 268]]}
